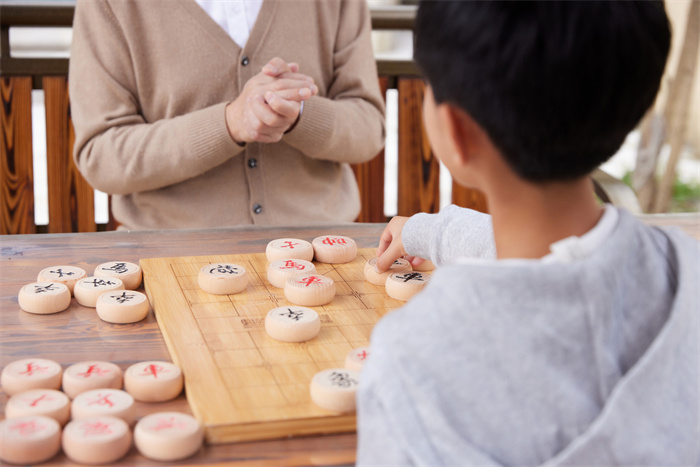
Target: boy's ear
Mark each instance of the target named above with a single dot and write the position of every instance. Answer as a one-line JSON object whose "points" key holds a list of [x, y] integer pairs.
{"points": [[461, 131]]}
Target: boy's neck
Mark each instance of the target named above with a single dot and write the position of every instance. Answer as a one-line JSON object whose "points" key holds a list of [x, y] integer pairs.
{"points": [[528, 218]]}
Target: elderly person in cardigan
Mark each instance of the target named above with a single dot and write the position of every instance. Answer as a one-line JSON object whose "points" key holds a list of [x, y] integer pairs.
{"points": [[210, 113]]}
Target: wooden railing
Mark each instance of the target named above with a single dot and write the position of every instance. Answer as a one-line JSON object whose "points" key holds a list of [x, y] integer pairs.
{"points": [[71, 198]]}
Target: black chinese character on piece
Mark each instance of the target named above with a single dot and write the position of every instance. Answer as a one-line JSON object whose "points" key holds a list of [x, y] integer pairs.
{"points": [[411, 276], [342, 379], [123, 298], [60, 273], [45, 288], [99, 282], [119, 268], [224, 269], [295, 315]]}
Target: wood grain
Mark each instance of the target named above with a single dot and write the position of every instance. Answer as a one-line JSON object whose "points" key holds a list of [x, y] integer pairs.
{"points": [[370, 180], [419, 171], [71, 198], [240, 383], [77, 334], [16, 174]]}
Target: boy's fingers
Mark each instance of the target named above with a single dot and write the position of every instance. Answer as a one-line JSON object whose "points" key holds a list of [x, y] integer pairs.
{"points": [[296, 95], [293, 66], [391, 254], [267, 116]]}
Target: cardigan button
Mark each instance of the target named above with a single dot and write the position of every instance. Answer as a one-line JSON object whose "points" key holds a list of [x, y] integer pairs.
{"points": [[245, 61], [257, 209], [253, 163]]}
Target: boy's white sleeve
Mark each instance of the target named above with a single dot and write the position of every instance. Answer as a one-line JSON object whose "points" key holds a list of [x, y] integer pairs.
{"points": [[452, 233], [377, 444]]}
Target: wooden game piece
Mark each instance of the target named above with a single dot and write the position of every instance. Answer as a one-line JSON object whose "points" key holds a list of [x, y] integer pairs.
{"points": [[29, 440], [425, 266], [129, 273], [279, 271], [66, 275], [89, 289], [30, 373], [96, 440], [309, 290], [222, 278], [112, 402], [404, 285], [292, 324], [335, 389], [356, 358], [334, 249], [168, 436], [122, 306], [289, 248], [153, 381], [43, 298], [86, 376], [46, 402], [373, 275]]}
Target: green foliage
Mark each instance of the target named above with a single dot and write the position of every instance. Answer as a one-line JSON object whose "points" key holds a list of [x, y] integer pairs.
{"points": [[684, 198]]}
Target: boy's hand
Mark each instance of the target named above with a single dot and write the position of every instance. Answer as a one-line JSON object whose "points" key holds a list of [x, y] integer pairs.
{"points": [[391, 246], [269, 104]]}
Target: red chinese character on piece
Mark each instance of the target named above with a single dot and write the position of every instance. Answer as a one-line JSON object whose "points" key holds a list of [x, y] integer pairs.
{"points": [[310, 280], [94, 370], [165, 424], [28, 428], [35, 402], [33, 367], [331, 241], [362, 355], [290, 264], [102, 399], [289, 244], [96, 429], [153, 370]]}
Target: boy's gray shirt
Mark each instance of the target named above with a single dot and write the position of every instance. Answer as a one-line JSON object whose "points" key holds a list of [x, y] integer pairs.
{"points": [[523, 362]]}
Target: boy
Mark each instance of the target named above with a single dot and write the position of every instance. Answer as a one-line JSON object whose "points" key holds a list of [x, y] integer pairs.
{"points": [[578, 343]]}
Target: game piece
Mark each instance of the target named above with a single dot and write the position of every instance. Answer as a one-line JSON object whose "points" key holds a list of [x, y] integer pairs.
{"points": [[289, 248], [373, 275], [292, 324], [30, 373], [168, 436], [85, 376], [112, 402], [46, 402], [425, 266], [334, 249], [129, 273], [222, 278], [96, 440], [404, 285], [335, 389], [153, 381], [356, 358], [89, 289], [66, 275], [309, 290], [29, 440], [43, 298], [122, 306], [279, 271]]}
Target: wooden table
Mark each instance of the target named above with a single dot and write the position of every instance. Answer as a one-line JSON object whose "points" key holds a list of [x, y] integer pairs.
{"points": [[77, 334]]}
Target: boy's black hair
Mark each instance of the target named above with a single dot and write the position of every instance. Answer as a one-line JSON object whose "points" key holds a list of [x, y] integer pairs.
{"points": [[557, 85]]}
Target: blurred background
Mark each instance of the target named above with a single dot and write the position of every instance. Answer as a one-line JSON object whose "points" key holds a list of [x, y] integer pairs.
{"points": [[668, 140]]}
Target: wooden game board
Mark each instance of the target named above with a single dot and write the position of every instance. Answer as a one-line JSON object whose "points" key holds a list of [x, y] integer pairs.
{"points": [[240, 383]]}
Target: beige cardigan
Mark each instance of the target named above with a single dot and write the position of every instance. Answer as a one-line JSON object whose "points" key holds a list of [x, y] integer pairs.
{"points": [[149, 81]]}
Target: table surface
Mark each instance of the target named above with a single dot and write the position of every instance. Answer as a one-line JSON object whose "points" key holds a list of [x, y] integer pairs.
{"points": [[78, 334]]}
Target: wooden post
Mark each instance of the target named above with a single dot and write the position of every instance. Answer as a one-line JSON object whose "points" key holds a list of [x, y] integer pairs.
{"points": [[16, 174]]}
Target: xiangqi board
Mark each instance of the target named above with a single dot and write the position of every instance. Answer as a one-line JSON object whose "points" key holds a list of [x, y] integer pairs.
{"points": [[240, 383]]}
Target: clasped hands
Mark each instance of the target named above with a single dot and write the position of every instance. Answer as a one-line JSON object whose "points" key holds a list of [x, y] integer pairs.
{"points": [[269, 104]]}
